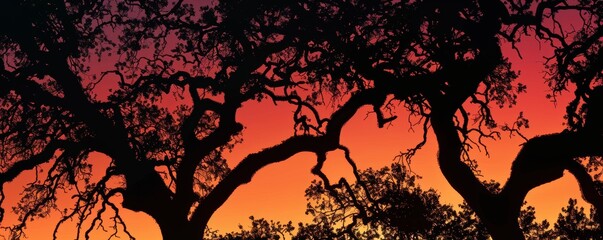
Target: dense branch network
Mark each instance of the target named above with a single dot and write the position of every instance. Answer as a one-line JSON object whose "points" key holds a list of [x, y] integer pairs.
{"points": [[441, 60]]}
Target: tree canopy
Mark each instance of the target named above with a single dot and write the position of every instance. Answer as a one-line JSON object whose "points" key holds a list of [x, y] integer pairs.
{"points": [[403, 210], [440, 61]]}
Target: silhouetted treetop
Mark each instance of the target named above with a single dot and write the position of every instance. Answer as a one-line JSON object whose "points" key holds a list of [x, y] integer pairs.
{"points": [[82, 77], [393, 207], [574, 223]]}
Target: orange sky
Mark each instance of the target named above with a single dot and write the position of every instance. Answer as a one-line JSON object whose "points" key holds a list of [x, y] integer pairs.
{"points": [[277, 192]]}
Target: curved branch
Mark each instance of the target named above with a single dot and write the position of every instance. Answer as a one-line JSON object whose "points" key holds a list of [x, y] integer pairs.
{"points": [[27, 164], [588, 187], [245, 170], [458, 174]]}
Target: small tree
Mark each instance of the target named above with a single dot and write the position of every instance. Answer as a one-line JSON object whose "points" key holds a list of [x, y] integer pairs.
{"points": [[384, 203], [261, 229], [574, 223], [532, 229]]}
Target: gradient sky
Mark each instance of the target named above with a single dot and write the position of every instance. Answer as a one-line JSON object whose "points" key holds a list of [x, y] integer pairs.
{"points": [[277, 191]]}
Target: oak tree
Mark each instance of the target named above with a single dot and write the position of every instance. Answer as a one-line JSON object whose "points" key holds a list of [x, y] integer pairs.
{"points": [[440, 61]]}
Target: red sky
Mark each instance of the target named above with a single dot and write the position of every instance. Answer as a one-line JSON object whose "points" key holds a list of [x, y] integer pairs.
{"points": [[277, 192]]}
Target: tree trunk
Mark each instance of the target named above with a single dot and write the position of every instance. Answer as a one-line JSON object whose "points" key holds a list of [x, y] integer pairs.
{"points": [[180, 230], [501, 217], [504, 230], [499, 212]]}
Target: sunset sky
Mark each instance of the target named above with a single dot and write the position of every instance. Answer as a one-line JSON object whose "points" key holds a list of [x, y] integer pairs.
{"points": [[277, 191]]}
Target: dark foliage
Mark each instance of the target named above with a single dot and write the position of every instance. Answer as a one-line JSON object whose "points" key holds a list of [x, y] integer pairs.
{"points": [[574, 223], [412, 214], [440, 61]]}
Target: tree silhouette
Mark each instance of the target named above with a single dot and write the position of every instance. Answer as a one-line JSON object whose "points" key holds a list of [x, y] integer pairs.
{"points": [[401, 210], [387, 203], [441, 61], [169, 162], [384, 203], [574, 223], [536, 164], [260, 229], [532, 229]]}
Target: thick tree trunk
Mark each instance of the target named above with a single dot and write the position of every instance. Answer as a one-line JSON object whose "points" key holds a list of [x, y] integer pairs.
{"points": [[498, 212], [180, 230], [500, 215], [541, 160], [505, 230]]}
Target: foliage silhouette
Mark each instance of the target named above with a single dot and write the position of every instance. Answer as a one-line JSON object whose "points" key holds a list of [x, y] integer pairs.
{"points": [[424, 217], [441, 61], [394, 207], [260, 229], [574, 223], [384, 203]]}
